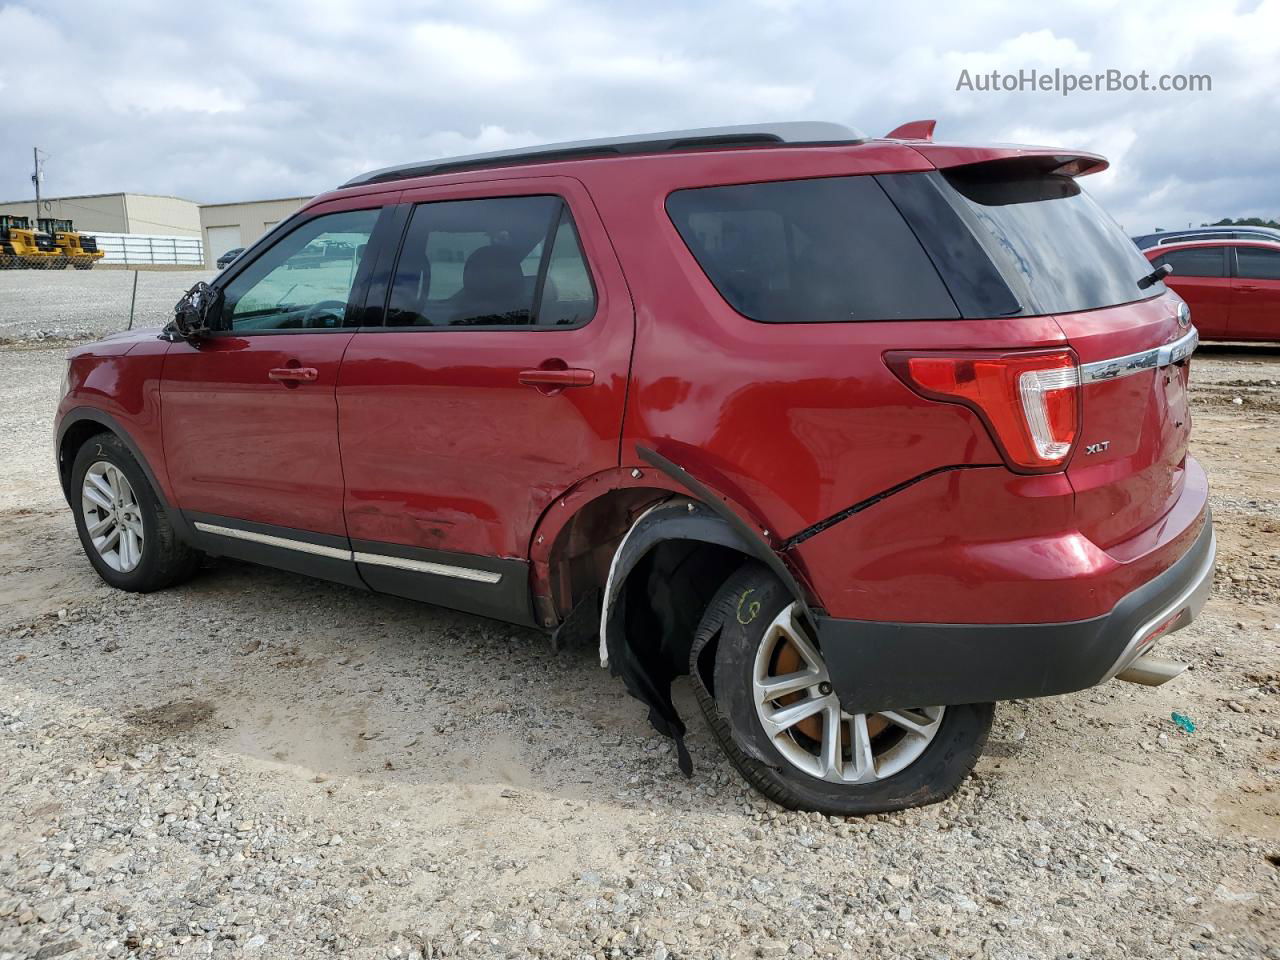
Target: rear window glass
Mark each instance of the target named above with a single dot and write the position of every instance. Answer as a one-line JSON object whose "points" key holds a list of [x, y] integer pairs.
{"points": [[821, 250], [1197, 262], [1059, 251]]}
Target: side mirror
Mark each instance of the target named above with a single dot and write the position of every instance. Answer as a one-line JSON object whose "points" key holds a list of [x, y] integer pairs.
{"points": [[195, 313]]}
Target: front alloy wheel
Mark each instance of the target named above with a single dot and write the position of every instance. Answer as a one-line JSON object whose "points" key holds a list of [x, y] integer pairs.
{"points": [[124, 529], [112, 516]]}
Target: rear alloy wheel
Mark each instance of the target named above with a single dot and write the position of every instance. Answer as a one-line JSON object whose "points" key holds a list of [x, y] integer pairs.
{"points": [[774, 710], [801, 714]]}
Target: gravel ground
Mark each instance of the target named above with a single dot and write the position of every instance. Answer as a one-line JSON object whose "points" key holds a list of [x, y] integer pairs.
{"points": [[257, 764], [72, 304]]}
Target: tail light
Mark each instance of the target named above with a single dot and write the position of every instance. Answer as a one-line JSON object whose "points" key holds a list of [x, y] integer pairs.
{"points": [[1029, 400]]}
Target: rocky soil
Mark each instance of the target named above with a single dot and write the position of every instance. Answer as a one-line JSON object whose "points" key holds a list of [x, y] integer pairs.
{"points": [[260, 765], [45, 305]]}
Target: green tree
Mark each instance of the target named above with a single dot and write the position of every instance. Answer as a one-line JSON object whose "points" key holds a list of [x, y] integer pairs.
{"points": [[1243, 222]]}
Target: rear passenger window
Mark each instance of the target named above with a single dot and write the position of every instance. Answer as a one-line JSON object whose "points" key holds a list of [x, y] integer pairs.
{"points": [[497, 262], [1257, 263], [1197, 262], [818, 250]]}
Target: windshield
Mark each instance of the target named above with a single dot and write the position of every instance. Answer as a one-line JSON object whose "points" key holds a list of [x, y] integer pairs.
{"points": [[1056, 248]]}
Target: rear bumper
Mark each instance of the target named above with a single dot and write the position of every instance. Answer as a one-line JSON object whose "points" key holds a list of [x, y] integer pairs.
{"points": [[877, 666]]}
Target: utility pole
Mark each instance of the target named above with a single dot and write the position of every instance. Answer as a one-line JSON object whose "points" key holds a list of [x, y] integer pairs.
{"points": [[35, 178]]}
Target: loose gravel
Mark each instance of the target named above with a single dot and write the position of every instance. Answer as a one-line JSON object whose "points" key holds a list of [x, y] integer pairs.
{"points": [[260, 765], [76, 304]]}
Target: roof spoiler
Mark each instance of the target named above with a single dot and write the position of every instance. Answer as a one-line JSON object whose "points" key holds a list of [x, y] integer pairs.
{"points": [[914, 130]]}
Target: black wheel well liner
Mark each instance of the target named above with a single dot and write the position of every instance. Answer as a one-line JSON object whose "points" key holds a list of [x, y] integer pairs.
{"points": [[665, 574]]}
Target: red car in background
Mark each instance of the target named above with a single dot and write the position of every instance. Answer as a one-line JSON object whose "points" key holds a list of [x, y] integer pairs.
{"points": [[861, 434], [1232, 286]]}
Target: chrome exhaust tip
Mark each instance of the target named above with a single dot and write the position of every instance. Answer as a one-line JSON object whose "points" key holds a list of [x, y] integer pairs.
{"points": [[1151, 671]]}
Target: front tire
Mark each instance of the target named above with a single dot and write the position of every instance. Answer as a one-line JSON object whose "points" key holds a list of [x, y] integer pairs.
{"points": [[802, 749], [123, 527]]}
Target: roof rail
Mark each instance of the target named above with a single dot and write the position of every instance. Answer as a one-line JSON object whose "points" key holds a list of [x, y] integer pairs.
{"points": [[790, 133]]}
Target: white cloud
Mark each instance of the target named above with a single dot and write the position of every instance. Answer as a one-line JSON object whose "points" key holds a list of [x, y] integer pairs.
{"points": [[240, 99]]}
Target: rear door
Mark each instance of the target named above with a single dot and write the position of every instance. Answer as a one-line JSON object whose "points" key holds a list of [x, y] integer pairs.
{"points": [[1201, 276], [1255, 295], [497, 382]]}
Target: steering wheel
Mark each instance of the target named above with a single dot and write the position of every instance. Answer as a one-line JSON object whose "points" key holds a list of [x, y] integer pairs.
{"points": [[336, 310]]}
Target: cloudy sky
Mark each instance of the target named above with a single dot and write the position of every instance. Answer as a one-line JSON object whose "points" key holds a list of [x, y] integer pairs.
{"points": [[235, 100]]}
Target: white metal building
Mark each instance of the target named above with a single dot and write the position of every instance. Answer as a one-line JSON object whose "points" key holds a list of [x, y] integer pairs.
{"points": [[230, 225], [117, 213], [217, 227]]}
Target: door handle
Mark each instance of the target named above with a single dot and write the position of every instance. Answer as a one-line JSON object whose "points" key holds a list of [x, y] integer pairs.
{"points": [[1248, 287], [551, 377], [294, 374]]}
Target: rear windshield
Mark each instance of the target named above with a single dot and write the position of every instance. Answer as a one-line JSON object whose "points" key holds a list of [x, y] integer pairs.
{"points": [[1057, 249], [828, 249]]}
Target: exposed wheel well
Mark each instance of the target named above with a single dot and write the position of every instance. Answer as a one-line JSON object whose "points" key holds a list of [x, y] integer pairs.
{"points": [[667, 593], [77, 435], [585, 548]]}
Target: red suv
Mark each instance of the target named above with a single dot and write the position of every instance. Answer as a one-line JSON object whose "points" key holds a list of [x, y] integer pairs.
{"points": [[863, 435], [1233, 286]]}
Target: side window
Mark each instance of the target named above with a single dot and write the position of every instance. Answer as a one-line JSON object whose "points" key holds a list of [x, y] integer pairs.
{"points": [[304, 281], [568, 296], [1258, 263], [494, 262], [1196, 262], [796, 251]]}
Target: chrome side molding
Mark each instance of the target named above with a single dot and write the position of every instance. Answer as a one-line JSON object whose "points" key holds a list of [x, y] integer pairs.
{"points": [[336, 553], [1151, 359], [426, 566], [267, 539]]}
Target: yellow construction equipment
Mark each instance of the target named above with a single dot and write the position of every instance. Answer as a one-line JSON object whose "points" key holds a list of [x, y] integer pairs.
{"points": [[73, 248], [23, 248]]}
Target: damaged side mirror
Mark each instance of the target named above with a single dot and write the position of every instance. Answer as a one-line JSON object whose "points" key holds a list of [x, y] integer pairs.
{"points": [[195, 315]]}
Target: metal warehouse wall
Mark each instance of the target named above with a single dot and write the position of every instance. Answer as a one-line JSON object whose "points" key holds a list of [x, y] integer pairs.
{"points": [[228, 225], [117, 213], [169, 216], [104, 211]]}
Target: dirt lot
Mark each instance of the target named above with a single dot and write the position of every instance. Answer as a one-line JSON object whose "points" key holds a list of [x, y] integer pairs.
{"points": [[262, 765], [38, 305]]}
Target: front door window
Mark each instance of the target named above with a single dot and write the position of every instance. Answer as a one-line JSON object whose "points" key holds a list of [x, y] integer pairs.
{"points": [[304, 281]]}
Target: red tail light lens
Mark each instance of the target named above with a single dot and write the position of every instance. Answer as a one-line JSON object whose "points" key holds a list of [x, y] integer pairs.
{"points": [[1030, 401]]}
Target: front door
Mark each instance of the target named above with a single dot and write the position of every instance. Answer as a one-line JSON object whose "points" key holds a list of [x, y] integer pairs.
{"points": [[249, 412], [497, 381], [1255, 294]]}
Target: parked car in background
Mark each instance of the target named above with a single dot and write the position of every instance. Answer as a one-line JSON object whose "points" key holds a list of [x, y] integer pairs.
{"points": [[1232, 286], [1165, 237], [863, 434], [229, 257]]}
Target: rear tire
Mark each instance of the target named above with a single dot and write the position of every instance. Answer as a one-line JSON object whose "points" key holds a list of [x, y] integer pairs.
{"points": [[829, 762], [123, 527]]}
